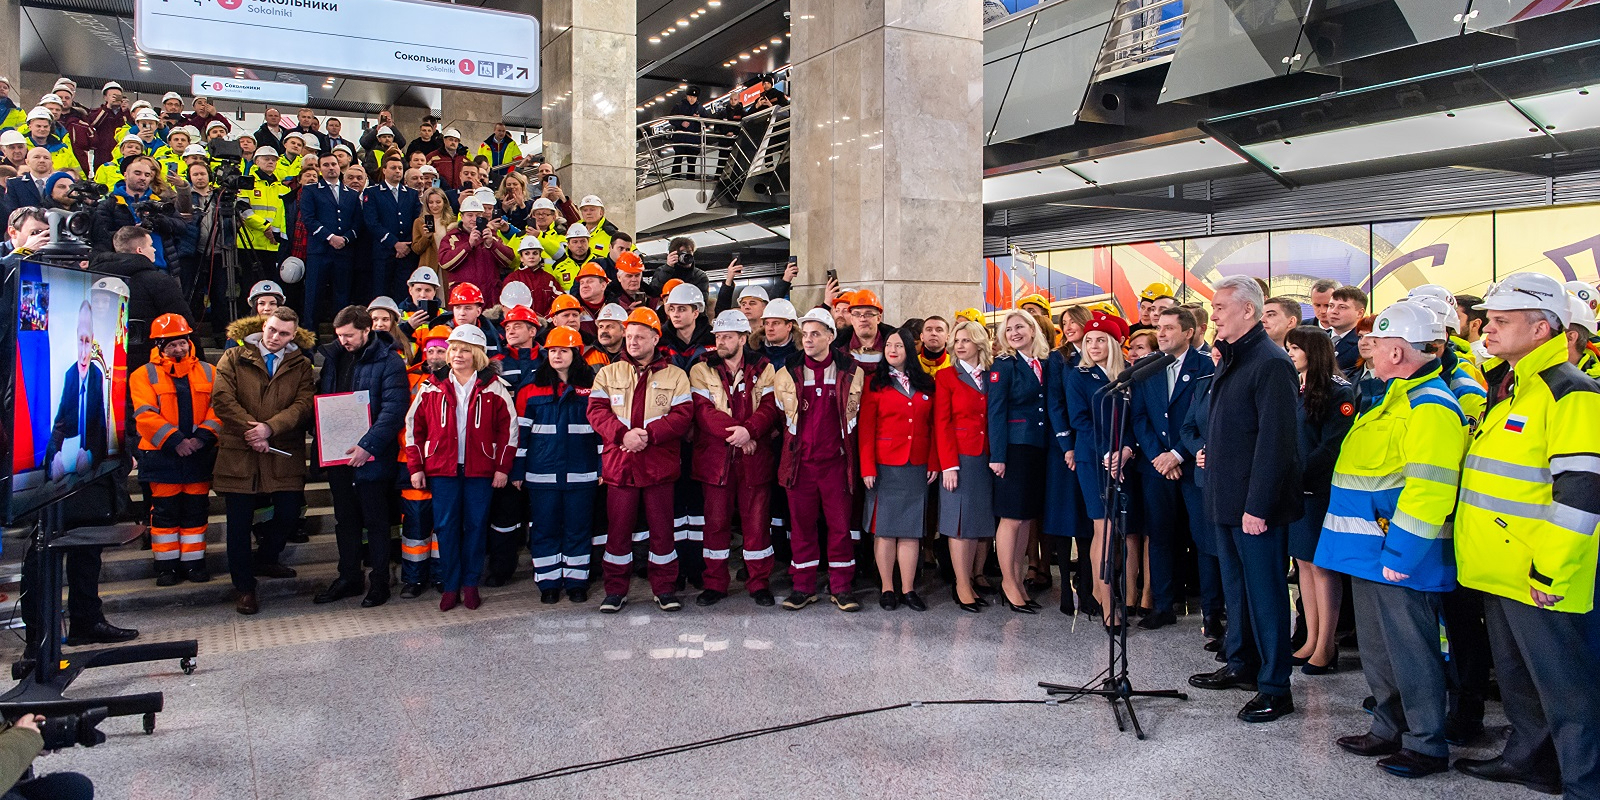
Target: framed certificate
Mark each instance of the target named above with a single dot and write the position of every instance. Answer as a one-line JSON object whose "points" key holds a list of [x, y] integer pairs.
{"points": [[342, 419]]}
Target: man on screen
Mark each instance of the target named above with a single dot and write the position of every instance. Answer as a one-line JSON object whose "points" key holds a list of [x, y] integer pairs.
{"points": [[82, 413]]}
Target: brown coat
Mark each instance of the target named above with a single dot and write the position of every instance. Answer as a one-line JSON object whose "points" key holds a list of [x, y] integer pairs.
{"points": [[426, 245], [244, 394]]}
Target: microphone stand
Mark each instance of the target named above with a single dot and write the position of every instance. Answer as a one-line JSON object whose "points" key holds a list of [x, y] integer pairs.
{"points": [[1113, 683]]}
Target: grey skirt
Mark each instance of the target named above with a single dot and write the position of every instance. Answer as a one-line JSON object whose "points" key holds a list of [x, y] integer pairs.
{"points": [[968, 512], [897, 505]]}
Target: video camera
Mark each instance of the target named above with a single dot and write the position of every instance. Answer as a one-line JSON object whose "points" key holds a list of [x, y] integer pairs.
{"points": [[146, 211], [70, 230], [229, 178], [66, 730]]}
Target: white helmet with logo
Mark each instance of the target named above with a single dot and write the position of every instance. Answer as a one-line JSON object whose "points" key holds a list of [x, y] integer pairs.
{"points": [[265, 288], [1409, 321], [1529, 291]]}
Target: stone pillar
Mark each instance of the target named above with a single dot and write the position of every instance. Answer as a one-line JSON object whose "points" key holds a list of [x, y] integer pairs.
{"points": [[590, 90], [472, 113], [887, 151], [11, 48]]}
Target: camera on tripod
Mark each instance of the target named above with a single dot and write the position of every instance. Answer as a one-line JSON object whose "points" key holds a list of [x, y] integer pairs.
{"points": [[70, 230], [147, 210], [229, 178]]}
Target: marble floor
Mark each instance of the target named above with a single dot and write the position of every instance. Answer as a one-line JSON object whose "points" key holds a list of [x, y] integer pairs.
{"points": [[403, 701]]}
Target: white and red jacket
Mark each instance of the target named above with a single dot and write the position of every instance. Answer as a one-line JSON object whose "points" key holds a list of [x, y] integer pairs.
{"points": [[431, 446]]}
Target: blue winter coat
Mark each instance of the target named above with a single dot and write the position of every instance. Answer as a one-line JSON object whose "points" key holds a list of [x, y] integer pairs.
{"points": [[382, 374]]}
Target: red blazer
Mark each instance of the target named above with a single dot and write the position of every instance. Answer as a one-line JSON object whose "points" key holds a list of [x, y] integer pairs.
{"points": [[895, 430], [960, 417]]}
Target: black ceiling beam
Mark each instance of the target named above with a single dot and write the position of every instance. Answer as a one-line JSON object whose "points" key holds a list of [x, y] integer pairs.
{"points": [[755, 9], [1136, 202]]}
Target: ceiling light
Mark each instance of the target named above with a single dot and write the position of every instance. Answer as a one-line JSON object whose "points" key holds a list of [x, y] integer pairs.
{"points": [[776, 40], [744, 56], [1154, 162], [1440, 130], [683, 23], [683, 86], [700, 10], [694, 15], [1028, 184], [655, 40], [713, 3]]}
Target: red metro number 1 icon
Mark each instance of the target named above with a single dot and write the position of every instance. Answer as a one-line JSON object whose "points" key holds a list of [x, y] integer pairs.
{"points": [[466, 66], [231, 5]]}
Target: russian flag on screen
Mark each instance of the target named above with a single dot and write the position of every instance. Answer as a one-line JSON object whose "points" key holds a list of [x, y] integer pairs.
{"points": [[32, 392], [1515, 423]]}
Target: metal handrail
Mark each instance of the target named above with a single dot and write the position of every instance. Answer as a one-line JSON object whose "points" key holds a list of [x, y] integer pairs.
{"points": [[657, 150], [1139, 36]]}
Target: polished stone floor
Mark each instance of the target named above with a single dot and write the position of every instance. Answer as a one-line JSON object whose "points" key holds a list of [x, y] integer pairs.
{"points": [[403, 701]]}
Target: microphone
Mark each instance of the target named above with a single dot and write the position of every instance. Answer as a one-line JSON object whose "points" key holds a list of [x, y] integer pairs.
{"points": [[1143, 368]]}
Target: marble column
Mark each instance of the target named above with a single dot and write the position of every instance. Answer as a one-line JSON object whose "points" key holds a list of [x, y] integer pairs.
{"points": [[11, 46], [472, 113], [887, 151], [590, 89]]}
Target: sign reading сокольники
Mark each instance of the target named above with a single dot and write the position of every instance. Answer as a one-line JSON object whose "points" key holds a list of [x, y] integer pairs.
{"points": [[411, 41], [221, 87]]}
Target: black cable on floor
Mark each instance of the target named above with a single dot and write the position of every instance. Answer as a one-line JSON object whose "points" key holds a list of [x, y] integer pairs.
{"points": [[575, 769]]}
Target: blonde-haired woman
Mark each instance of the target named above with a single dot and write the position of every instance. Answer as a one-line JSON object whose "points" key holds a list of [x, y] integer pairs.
{"points": [[1099, 363], [961, 435], [428, 231], [512, 203], [1017, 438]]}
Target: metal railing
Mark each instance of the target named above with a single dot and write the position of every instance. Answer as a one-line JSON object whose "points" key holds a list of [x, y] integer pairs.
{"points": [[666, 152], [1143, 33]]}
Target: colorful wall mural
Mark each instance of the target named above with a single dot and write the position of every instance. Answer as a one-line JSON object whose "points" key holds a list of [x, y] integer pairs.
{"points": [[1464, 253]]}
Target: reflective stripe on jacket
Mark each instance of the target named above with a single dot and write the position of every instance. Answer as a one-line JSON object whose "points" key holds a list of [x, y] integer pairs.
{"points": [[172, 402], [1394, 487], [1530, 488]]}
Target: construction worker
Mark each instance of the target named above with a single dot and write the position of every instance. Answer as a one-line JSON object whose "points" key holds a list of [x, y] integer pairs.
{"points": [[508, 509], [419, 547], [264, 224], [109, 174], [1463, 378], [609, 328], [558, 465], [733, 459], [533, 272], [820, 396], [576, 254], [266, 296], [544, 229], [592, 212], [641, 408], [40, 133], [590, 289], [1394, 487], [178, 433], [1452, 324], [1525, 537], [466, 308], [422, 288], [1581, 349]]}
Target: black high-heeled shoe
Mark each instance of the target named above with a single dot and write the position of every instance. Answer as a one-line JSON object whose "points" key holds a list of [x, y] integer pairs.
{"points": [[968, 607], [1019, 609], [1033, 605]]}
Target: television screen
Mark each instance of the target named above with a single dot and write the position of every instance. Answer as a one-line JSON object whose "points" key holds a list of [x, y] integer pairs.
{"points": [[67, 383]]}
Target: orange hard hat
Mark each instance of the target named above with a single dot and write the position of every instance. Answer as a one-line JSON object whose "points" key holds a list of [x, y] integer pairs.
{"points": [[564, 302], [628, 261], [666, 288], [866, 298], [465, 294], [521, 314], [562, 336], [592, 271], [438, 333], [170, 326], [646, 317], [848, 298]]}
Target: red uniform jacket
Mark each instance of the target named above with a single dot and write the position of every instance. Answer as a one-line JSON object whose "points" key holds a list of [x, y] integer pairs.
{"points": [[541, 284], [896, 430], [654, 397], [960, 416], [849, 381], [715, 413], [491, 428]]}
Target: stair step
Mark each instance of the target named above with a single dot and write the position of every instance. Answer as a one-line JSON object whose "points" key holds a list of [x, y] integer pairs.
{"points": [[134, 595], [131, 563]]}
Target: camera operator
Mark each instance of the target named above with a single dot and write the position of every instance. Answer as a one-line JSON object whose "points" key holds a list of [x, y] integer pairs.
{"points": [[680, 265], [20, 743], [143, 200], [27, 230]]}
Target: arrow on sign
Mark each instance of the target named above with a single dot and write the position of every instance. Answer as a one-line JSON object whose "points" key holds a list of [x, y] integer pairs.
{"points": [[522, 73]]}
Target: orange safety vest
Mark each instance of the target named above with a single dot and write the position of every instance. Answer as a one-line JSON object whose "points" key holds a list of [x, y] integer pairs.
{"points": [[156, 412]]}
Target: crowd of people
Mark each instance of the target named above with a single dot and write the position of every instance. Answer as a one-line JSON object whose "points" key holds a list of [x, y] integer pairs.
{"points": [[536, 386]]}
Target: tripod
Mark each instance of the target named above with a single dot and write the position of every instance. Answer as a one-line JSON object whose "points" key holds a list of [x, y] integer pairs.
{"points": [[1112, 683]]}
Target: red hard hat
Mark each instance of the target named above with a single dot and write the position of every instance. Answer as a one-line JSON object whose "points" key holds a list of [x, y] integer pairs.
{"points": [[562, 336], [465, 294], [564, 302], [521, 314], [170, 326]]}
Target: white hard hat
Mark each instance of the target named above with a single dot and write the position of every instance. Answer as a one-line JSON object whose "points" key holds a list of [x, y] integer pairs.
{"points": [[294, 135], [1409, 321], [115, 286], [292, 270], [1443, 295], [40, 112], [109, 86], [311, 143], [577, 231], [779, 309], [146, 114], [1582, 314], [1529, 291], [486, 195], [386, 303], [137, 104], [11, 137], [730, 321], [385, 130], [820, 315], [263, 152], [754, 291], [611, 312], [529, 242], [591, 200], [471, 203], [191, 150], [424, 275], [427, 169], [216, 123], [130, 137], [1583, 291], [171, 96], [469, 334], [345, 148], [266, 287], [192, 131], [452, 133], [516, 293], [686, 294], [1441, 312], [52, 98], [544, 204]]}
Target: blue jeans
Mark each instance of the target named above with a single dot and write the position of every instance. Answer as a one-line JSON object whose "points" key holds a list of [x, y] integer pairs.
{"points": [[461, 521]]}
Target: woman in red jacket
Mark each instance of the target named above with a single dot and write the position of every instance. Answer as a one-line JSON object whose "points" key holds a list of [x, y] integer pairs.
{"points": [[897, 463], [461, 439], [961, 435]]}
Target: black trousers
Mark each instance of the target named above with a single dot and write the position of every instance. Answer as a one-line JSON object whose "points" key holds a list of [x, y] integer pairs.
{"points": [[508, 511], [1546, 662], [1253, 571], [360, 508], [1470, 660], [241, 513], [83, 590]]}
